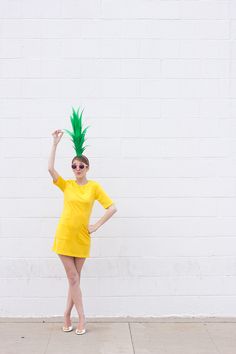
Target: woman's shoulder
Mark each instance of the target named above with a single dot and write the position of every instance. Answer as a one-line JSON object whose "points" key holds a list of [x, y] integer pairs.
{"points": [[92, 182]]}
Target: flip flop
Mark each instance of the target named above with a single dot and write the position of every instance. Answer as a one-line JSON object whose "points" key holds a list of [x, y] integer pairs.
{"points": [[80, 331], [67, 329]]}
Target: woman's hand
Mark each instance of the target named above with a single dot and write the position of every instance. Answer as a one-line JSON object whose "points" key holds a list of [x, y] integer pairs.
{"points": [[57, 135], [92, 228]]}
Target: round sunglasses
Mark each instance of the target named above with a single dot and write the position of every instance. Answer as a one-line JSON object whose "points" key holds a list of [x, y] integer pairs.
{"points": [[81, 166]]}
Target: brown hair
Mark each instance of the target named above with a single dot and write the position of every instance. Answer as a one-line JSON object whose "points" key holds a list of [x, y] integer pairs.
{"points": [[81, 158]]}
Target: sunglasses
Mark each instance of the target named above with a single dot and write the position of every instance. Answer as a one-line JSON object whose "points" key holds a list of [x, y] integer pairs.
{"points": [[81, 166]]}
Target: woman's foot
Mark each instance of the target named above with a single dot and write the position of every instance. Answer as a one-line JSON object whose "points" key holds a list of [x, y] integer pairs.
{"points": [[81, 324], [67, 321]]}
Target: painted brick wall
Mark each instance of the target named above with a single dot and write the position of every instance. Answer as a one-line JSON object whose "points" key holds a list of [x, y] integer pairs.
{"points": [[157, 80]]}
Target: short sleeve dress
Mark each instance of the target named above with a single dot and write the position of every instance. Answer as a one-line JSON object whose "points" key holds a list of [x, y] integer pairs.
{"points": [[72, 237]]}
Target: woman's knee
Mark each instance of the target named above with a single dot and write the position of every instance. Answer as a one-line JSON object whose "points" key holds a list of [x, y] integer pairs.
{"points": [[70, 268], [79, 262], [72, 277]]}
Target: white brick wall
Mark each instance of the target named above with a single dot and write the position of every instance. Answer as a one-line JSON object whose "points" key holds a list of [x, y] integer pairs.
{"points": [[157, 80]]}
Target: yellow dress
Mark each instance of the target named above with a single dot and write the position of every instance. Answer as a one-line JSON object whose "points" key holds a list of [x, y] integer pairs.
{"points": [[72, 237]]}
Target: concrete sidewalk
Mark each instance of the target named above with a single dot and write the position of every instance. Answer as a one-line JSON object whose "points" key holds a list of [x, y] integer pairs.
{"points": [[120, 336]]}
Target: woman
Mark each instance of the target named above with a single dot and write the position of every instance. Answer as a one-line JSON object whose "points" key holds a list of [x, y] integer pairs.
{"points": [[72, 238]]}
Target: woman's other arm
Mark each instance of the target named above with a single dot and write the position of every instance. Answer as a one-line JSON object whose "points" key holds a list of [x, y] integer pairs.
{"points": [[108, 214]]}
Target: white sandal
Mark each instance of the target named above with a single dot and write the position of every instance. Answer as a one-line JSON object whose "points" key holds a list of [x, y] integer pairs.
{"points": [[67, 329], [80, 331]]}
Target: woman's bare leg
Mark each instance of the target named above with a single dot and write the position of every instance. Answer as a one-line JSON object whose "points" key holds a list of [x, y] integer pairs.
{"points": [[69, 307], [79, 262], [73, 267]]}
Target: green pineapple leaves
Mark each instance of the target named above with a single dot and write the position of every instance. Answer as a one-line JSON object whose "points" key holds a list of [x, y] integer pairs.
{"points": [[77, 135]]}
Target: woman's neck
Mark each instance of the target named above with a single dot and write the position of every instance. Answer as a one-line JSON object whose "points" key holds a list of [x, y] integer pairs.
{"points": [[81, 181]]}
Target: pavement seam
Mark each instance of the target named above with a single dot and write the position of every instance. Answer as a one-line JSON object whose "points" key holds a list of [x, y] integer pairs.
{"points": [[210, 336], [130, 333], [49, 339]]}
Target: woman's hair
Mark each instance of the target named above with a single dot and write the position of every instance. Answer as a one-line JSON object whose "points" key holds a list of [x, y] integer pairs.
{"points": [[81, 158]]}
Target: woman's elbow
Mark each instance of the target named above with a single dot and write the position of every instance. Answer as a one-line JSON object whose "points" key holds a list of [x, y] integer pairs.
{"points": [[113, 208]]}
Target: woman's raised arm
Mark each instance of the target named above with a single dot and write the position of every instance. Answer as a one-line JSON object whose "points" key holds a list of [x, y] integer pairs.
{"points": [[57, 135]]}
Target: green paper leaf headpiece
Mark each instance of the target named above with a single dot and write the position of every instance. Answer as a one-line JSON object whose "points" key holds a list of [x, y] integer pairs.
{"points": [[77, 135]]}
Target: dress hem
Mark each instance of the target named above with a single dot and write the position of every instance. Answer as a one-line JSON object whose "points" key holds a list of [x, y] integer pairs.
{"points": [[71, 255]]}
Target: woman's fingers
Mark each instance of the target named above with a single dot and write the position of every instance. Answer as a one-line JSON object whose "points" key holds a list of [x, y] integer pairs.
{"points": [[58, 132], [59, 137]]}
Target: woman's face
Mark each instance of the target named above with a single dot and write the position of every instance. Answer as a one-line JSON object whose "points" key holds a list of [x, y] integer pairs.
{"points": [[81, 168]]}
